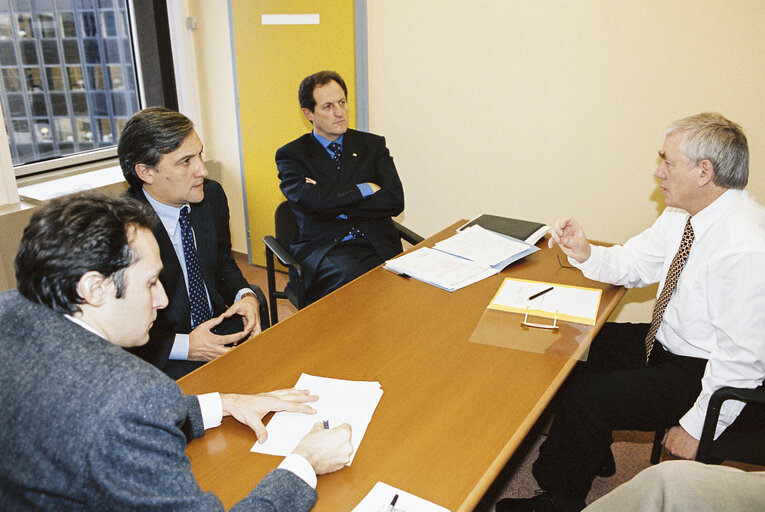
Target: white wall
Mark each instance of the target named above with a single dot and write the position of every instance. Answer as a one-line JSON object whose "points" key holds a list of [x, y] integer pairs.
{"points": [[533, 109], [538, 109]]}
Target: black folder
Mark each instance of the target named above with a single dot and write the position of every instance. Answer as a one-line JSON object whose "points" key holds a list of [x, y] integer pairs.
{"points": [[516, 228]]}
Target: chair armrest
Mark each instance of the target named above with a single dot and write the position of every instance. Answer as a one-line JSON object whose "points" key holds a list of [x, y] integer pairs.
{"points": [[713, 414], [265, 322], [407, 234], [284, 256]]}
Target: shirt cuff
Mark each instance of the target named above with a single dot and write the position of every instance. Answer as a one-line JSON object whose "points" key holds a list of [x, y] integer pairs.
{"points": [[365, 189], [212, 409], [241, 293], [591, 263], [693, 425], [180, 350], [298, 465]]}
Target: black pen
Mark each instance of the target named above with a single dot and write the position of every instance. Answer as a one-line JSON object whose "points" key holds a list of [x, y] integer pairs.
{"points": [[392, 504], [540, 293]]}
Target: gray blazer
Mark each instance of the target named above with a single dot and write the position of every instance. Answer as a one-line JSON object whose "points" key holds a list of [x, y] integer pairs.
{"points": [[87, 426]]}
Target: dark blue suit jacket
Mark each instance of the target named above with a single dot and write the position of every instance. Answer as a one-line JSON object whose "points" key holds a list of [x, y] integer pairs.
{"points": [[222, 276], [365, 159]]}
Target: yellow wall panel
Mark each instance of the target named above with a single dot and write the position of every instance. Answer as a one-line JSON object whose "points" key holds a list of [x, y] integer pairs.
{"points": [[270, 61]]}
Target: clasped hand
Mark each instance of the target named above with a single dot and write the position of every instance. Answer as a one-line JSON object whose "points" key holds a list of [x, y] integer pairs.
{"points": [[204, 345]]}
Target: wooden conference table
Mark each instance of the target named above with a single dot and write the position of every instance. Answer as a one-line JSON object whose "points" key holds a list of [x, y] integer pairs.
{"points": [[452, 412]]}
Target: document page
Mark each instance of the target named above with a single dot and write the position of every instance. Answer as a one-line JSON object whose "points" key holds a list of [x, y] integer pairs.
{"points": [[482, 246], [439, 268], [340, 401], [382, 494], [572, 303]]}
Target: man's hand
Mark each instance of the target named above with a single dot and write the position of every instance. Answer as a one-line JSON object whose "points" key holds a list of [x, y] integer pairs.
{"points": [[680, 444], [327, 450], [571, 239], [248, 308], [206, 346], [250, 409]]}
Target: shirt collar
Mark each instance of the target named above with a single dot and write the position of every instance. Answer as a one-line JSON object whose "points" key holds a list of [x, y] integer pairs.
{"points": [[324, 142], [82, 324], [703, 220], [167, 214]]}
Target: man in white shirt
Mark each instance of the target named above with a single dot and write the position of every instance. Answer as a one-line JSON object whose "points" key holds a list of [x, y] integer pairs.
{"points": [[87, 425], [707, 327]]}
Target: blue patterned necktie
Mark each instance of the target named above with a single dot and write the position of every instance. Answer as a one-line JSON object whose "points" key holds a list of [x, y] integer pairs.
{"points": [[200, 307], [678, 262], [337, 149]]}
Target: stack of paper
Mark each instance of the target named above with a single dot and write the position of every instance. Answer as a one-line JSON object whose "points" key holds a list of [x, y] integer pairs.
{"points": [[340, 401], [465, 258]]}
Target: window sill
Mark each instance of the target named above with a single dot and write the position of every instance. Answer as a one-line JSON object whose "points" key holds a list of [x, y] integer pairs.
{"points": [[105, 176]]}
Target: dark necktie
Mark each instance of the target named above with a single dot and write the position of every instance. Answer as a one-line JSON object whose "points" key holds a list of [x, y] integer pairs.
{"points": [[337, 149], [678, 262], [200, 307]]}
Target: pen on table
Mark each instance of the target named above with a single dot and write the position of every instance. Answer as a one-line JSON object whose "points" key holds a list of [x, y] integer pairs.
{"points": [[540, 293], [392, 504], [326, 424]]}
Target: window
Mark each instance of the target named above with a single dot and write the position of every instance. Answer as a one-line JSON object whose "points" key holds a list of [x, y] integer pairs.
{"points": [[68, 80]]}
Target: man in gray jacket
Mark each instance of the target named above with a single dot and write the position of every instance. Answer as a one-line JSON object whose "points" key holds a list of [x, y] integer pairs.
{"points": [[88, 426]]}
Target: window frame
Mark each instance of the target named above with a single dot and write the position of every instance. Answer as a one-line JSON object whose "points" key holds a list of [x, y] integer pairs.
{"points": [[155, 83]]}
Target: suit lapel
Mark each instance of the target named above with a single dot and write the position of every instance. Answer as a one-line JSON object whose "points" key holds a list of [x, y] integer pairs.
{"points": [[351, 153], [321, 161]]}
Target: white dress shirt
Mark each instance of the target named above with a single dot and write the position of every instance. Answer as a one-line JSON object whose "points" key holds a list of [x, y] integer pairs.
{"points": [[717, 311]]}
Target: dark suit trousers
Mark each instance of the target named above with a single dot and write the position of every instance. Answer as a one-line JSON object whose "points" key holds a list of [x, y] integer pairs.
{"points": [[342, 264], [613, 390]]}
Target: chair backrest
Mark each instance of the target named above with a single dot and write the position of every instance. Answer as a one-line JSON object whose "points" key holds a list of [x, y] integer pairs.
{"points": [[285, 225]]}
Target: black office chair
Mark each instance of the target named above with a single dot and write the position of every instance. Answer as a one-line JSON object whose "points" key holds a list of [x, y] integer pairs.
{"points": [[739, 446], [285, 231], [265, 321]]}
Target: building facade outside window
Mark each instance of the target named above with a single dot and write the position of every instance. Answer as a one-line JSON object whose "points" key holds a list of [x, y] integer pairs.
{"points": [[68, 80]]}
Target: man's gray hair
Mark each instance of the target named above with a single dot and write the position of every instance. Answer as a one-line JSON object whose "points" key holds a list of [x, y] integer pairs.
{"points": [[710, 136]]}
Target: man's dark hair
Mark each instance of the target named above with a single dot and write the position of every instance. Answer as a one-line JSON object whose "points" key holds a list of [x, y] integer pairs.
{"points": [[148, 135], [72, 235], [311, 82]]}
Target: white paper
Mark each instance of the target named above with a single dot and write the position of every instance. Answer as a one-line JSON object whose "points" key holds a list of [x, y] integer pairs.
{"points": [[380, 496], [439, 268], [340, 401], [564, 300], [482, 246]]}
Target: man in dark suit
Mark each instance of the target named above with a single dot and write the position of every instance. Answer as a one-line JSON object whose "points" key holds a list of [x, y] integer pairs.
{"points": [[161, 158], [88, 426], [342, 186]]}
